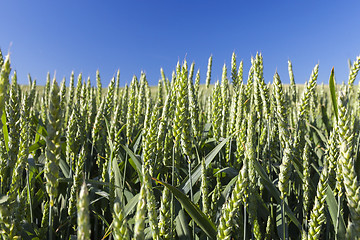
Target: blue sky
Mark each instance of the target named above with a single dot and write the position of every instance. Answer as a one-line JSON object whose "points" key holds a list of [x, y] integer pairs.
{"points": [[62, 36]]}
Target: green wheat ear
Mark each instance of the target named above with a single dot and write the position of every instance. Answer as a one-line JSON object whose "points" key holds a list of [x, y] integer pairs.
{"points": [[140, 215], [225, 98], [317, 215], [204, 189], [230, 209], [234, 71], [1, 59], [216, 111], [131, 110], [193, 108], [309, 91], [165, 215], [346, 161], [354, 71], [280, 111], [98, 89], [4, 81], [208, 74], [120, 229], [293, 93], [83, 217], [53, 143], [12, 116], [182, 124], [151, 205], [306, 180], [285, 171]]}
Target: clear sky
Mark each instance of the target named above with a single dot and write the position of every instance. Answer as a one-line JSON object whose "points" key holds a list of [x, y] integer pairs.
{"points": [[48, 36]]}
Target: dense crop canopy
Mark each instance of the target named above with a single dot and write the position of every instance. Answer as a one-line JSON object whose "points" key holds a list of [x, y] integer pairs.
{"points": [[233, 160]]}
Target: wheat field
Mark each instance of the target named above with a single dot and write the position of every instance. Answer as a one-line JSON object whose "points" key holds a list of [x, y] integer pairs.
{"points": [[231, 159]]}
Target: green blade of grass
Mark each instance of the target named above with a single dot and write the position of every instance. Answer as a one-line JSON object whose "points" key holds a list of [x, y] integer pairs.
{"points": [[195, 213], [279, 224], [5, 130], [64, 168], [196, 172], [275, 193], [130, 206], [117, 174], [337, 220], [332, 86], [134, 161], [182, 226], [37, 145]]}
